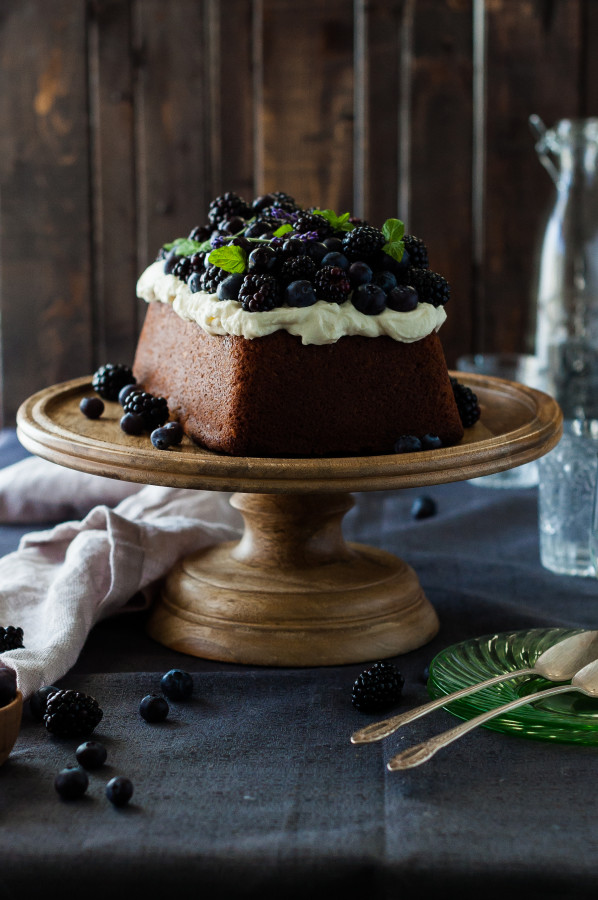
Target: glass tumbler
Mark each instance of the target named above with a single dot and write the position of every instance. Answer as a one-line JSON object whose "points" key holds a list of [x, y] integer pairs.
{"points": [[566, 500], [525, 369]]}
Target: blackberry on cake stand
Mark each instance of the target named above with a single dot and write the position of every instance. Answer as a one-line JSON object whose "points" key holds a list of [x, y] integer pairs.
{"points": [[291, 591]]}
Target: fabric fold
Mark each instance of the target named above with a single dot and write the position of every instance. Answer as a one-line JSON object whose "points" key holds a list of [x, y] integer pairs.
{"points": [[59, 583]]}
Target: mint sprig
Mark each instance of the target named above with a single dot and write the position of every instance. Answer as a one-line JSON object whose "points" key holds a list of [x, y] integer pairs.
{"points": [[284, 229], [394, 230], [186, 247], [230, 258], [338, 223]]}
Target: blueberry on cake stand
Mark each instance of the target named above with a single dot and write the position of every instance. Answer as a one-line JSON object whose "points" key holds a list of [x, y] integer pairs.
{"points": [[291, 591]]}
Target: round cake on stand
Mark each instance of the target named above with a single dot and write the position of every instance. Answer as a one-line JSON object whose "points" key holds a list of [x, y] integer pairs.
{"points": [[291, 591]]}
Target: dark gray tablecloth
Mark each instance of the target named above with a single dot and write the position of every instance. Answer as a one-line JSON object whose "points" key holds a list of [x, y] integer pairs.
{"points": [[253, 789]]}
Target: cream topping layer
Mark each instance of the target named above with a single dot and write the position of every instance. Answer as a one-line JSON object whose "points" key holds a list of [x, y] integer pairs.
{"points": [[322, 323]]}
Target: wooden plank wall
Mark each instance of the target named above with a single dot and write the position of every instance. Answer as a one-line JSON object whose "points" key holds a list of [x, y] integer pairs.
{"points": [[121, 119]]}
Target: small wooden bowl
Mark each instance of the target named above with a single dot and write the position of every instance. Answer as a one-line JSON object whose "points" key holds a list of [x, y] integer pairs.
{"points": [[10, 723]]}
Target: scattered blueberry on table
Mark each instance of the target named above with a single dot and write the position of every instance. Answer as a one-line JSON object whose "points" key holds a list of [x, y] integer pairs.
{"points": [[423, 507], [177, 685], [91, 755], [119, 790], [153, 708], [71, 782]]}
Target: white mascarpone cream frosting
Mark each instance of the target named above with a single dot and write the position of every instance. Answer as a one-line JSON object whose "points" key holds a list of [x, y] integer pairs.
{"points": [[322, 323]]}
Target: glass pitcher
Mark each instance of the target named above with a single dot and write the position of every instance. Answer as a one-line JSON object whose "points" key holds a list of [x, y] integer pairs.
{"points": [[564, 327]]}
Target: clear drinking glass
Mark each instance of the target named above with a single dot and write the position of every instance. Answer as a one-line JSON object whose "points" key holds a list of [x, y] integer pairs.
{"points": [[566, 500], [525, 369]]}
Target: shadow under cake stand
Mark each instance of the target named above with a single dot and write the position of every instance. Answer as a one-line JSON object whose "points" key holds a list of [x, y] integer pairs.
{"points": [[291, 591]]}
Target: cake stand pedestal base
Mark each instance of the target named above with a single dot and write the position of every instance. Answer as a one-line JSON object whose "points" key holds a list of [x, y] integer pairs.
{"points": [[292, 592]]}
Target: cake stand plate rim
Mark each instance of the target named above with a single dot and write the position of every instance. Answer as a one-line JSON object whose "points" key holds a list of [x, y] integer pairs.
{"points": [[50, 425]]}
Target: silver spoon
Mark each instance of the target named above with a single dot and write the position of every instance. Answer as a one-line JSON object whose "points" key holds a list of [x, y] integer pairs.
{"points": [[585, 681], [559, 663]]}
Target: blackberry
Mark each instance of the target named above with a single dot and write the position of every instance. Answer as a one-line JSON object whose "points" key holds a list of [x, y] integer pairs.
{"points": [[298, 268], [363, 242], [153, 410], [11, 638], [109, 379], [332, 284], [308, 222], [200, 233], [417, 251], [431, 287], [226, 206], [378, 688], [281, 198], [212, 277], [182, 268], [71, 714], [259, 293], [467, 403]]}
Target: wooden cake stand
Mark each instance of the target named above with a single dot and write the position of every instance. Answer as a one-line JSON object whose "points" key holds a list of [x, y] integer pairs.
{"points": [[291, 592]]}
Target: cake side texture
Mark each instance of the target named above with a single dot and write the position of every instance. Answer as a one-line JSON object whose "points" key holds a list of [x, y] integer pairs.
{"points": [[274, 396]]}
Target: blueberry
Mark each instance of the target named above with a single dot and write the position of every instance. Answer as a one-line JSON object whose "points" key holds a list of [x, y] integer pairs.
{"points": [[8, 685], [229, 288], [369, 299], [175, 431], [262, 259], [119, 790], [131, 423], [431, 442], [153, 708], [91, 755], [167, 436], [334, 244], [71, 783], [360, 273], [408, 443], [177, 685], [336, 259], [92, 407], [317, 251], [423, 507], [300, 293], [38, 700], [293, 247], [194, 282], [386, 280], [170, 261], [124, 392], [402, 298]]}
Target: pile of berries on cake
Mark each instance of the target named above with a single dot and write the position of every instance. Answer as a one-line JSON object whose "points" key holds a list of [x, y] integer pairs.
{"points": [[272, 253]]}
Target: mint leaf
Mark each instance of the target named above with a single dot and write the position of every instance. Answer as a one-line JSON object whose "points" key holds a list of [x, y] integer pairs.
{"points": [[284, 229], [185, 246], [393, 230], [231, 259], [338, 223]]}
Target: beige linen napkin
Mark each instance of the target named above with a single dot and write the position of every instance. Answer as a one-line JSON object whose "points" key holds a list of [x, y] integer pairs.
{"points": [[60, 582]]}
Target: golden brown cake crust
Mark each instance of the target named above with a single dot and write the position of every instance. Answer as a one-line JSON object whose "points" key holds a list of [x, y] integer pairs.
{"points": [[274, 396]]}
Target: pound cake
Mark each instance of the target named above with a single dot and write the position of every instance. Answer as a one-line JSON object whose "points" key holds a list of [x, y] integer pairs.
{"points": [[278, 331]]}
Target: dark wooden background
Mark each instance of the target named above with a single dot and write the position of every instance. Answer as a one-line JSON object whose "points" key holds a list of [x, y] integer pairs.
{"points": [[121, 119]]}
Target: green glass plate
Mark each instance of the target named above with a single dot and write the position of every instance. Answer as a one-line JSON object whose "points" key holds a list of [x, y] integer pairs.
{"points": [[568, 718]]}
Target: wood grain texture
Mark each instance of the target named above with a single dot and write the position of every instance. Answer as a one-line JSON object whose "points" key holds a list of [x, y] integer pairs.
{"points": [[533, 66], [122, 119], [306, 119], [44, 196], [518, 424]]}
